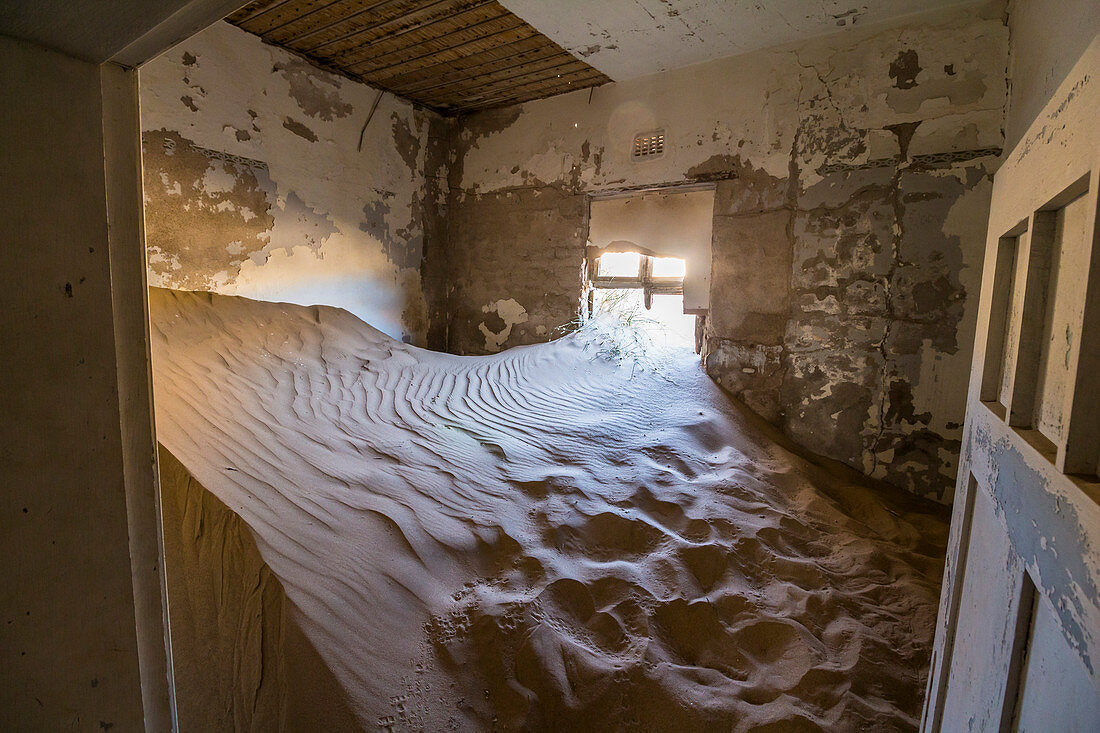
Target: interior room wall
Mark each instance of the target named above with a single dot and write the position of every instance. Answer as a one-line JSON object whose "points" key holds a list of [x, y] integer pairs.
{"points": [[1048, 38], [73, 570], [853, 177], [261, 180]]}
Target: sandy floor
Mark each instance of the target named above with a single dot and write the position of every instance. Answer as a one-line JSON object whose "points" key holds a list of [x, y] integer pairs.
{"points": [[545, 539]]}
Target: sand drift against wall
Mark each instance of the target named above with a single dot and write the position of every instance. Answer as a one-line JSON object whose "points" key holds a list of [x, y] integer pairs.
{"points": [[542, 539]]}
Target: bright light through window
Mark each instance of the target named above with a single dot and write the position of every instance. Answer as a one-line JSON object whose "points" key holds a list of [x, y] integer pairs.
{"points": [[668, 267], [626, 282], [620, 264], [665, 322]]}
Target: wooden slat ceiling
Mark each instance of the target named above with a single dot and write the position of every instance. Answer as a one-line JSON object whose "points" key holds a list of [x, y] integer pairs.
{"points": [[453, 56]]}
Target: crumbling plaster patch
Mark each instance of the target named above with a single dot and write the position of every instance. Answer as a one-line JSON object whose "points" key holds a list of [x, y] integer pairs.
{"points": [[204, 215], [266, 192], [525, 245], [316, 92], [509, 313], [853, 173]]}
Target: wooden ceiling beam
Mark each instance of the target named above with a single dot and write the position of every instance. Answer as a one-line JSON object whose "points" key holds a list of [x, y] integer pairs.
{"points": [[513, 32], [278, 13], [378, 21], [487, 62], [270, 32], [438, 33], [595, 78], [254, 10], [357, 38], [524, 47], [448, 38], [509, 88], [519, 75]]}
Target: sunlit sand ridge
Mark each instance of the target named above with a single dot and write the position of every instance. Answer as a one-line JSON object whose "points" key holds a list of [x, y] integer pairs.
{"points": [[545, 539]]}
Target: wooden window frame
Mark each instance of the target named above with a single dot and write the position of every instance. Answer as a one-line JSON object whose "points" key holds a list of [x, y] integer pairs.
{"points": [[644, 280]]}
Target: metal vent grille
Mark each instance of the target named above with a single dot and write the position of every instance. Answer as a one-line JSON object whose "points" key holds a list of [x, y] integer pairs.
{"points": [[648, 145]]}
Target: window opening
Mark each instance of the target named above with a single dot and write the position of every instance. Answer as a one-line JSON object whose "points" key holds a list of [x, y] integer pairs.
{"points": [[619, 264], [650, 287]]}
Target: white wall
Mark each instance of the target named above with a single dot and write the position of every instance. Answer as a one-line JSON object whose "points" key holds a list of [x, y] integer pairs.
{"points": [[752, 106], [301, 215], [1048, 37], [81, 637]]}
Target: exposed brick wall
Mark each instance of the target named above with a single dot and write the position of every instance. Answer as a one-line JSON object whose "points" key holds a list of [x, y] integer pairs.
{"points": [[524, 245]]}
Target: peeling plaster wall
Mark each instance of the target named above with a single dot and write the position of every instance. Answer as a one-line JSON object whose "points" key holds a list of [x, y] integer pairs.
{"points": [[626, 39], [524, 248], [255, 185], [853, 179], [435, 270]]}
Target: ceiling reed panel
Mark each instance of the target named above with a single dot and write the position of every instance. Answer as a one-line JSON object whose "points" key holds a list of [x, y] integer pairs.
{"points": [[453, 56]]}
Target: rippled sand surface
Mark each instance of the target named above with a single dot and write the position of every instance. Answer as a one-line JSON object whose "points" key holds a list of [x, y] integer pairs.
{"points": [[545, 539]]}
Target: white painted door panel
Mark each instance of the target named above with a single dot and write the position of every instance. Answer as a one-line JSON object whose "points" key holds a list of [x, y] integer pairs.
{"points": [[1053, 674], [986, 617]]}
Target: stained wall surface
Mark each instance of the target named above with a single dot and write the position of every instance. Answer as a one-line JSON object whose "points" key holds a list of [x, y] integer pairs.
{"points": [[853, 178], [69, 640], [1048, 37], [260, 180]]}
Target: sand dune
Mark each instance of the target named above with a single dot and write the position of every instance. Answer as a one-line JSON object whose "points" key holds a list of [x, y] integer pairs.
{"points": [[544, 540]]}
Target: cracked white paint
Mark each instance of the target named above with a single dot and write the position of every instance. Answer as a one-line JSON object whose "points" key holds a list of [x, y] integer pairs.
{"points": [[752, 106], [511, 312], [626, 39]]}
